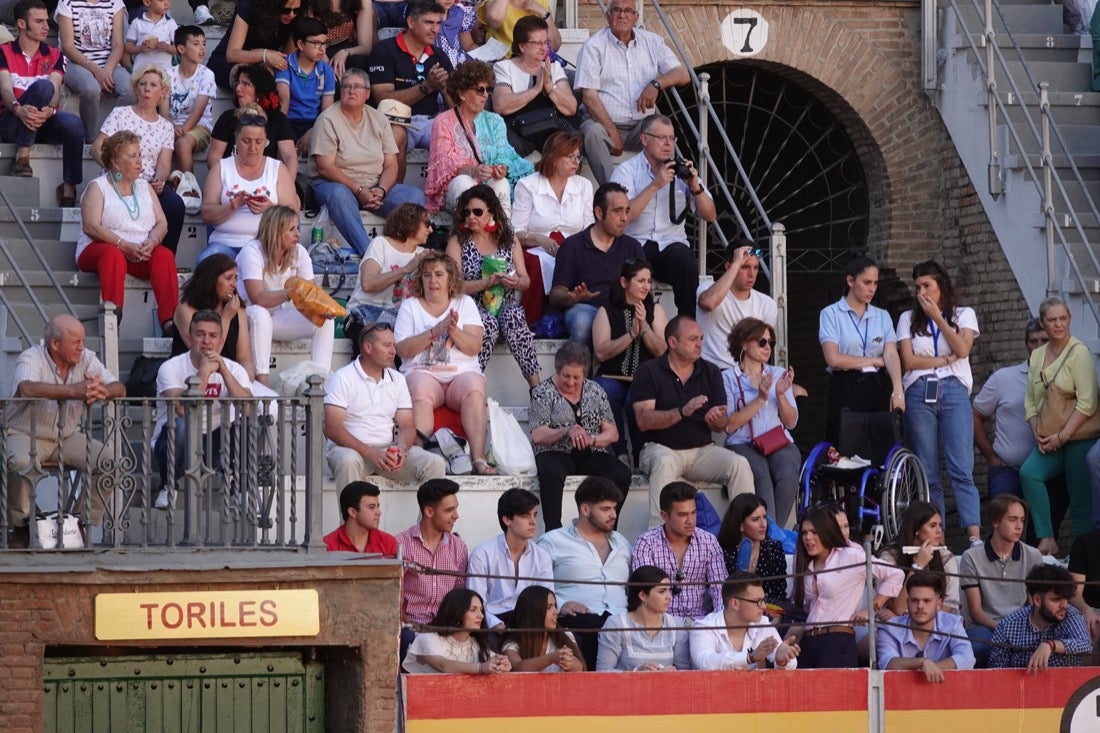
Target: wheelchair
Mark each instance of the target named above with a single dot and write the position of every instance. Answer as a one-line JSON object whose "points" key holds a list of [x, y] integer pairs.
{"points": [[875, 499]]}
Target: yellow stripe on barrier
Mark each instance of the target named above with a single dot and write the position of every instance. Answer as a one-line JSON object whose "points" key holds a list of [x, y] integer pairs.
{"points": [[819, 722]]}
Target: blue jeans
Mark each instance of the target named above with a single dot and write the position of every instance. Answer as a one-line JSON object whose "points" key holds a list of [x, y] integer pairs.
{"points": [[343, 209], [62, 128], [616, 390], [578, 322], [389, 15], [980, 636], [950, 422]]}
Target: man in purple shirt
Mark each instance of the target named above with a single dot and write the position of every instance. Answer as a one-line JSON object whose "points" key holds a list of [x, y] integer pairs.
{"points": [[691, 556]]}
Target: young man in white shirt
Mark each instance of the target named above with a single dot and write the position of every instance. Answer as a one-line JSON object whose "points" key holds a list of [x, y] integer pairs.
{"points": [[747, 641], [722, 304]]}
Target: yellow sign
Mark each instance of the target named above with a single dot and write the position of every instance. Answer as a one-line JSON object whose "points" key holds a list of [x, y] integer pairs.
{"points": [[207, 615]]}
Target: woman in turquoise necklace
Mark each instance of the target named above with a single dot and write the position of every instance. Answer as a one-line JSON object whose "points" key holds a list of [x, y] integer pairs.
{"points": [[123, 226]]}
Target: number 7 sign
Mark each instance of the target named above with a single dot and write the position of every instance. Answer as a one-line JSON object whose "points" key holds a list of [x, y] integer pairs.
{"points": [[744, 32]]}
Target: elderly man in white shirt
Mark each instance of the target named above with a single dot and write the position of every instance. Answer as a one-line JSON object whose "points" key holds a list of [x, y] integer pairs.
{"points": [[737, 636], [620, 71]]}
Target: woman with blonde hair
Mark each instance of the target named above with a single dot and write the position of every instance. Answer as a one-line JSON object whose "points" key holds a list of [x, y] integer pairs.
{"points": [[264, 266]]}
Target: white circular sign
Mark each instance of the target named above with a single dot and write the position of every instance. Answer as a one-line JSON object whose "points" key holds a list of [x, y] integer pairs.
{"points": [[744, 32]]}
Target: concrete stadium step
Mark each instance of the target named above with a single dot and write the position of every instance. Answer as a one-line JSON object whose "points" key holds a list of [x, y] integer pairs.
{"points": [[477, 499], [1024, 18]]}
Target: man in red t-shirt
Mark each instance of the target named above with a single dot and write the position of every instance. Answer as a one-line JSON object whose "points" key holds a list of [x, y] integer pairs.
{"points": [[30, 91], [361, 511]]}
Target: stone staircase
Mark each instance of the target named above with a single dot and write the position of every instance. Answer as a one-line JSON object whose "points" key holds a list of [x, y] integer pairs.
{"points": [[1029, 36]]}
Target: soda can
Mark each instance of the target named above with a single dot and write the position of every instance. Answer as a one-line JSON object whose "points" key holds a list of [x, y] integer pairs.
{"points": [[317, 235]]}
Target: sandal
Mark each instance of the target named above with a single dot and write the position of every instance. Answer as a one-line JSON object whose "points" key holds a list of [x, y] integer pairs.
{"points": [[482, 468]]}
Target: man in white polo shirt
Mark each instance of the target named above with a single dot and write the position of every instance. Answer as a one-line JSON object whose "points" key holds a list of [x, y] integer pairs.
{"points": [[368, 418], [722, 304]]}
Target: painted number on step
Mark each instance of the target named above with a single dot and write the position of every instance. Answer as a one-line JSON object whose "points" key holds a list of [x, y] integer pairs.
{"points": [[1050, 41], [744, 32], [192, 232], [34, 215], [1077, 99]]}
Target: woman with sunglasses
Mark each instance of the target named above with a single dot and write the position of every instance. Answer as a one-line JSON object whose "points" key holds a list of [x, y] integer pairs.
{"points": [[861, 350], [645, 637], [439, 334], [240, 188], [627, 332], [265, 265], [830, 578], [259, 34], [482, 230], [934, 340], [759, 399], [158, 143], [1065, 367], [469, 145], [254, 84], [531, 86]]}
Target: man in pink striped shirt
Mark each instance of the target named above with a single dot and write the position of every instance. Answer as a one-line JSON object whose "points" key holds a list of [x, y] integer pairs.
{"points": [[432, 544]]}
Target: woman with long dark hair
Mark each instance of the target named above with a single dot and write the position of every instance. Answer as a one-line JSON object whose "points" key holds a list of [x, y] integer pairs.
{"points": [[922, 528], [213, 286], [627, 332], [935, 339], [259, 34], [860, 348], [549, 650], [745, 545], [830, 577], [459, 642]]}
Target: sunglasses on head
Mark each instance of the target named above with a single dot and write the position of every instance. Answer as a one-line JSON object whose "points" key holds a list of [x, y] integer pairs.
{"points": [[372, 327], [476, 211], [252, 120], [762, 342]]}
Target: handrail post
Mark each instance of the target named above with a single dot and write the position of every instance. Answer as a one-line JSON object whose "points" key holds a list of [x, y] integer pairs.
{"points": [[704, 148], [315, 456], [1048, 184], [996, 185], [929, 41], [869, 597], [194, 474], [779, 292]]}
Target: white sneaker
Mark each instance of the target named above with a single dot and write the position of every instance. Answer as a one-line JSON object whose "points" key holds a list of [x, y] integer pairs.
{"points": [[165, 499], [203, 16]]}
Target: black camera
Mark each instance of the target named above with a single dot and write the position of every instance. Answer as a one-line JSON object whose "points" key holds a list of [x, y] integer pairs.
{"points": [[681, 169]]}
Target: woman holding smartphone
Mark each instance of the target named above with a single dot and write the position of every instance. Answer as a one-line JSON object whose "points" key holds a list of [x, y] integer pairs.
{"points": [[934, 339]]}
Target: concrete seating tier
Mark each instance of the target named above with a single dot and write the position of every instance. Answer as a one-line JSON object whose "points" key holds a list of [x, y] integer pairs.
{"points": [[477, 504]]}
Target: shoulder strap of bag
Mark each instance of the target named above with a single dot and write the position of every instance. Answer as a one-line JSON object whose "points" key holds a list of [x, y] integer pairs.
{"points": [[744, 404], [473, 143], [1065, 357]]}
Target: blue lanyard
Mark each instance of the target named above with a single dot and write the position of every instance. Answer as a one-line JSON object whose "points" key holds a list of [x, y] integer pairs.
{"points": [[863, 336], [935, 337]]}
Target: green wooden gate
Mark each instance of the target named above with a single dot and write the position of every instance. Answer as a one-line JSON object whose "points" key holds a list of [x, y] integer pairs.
{"points": [[187, 693]]}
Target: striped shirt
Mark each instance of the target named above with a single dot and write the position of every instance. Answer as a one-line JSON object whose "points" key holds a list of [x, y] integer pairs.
{"points": [[421, 593], [93, 25]]}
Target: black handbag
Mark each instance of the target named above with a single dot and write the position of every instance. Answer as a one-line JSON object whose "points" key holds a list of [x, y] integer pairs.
{"points": [[142, 379], [535, 125]]}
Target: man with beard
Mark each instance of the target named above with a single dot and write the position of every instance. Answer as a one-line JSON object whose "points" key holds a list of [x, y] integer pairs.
{"points": [[1048, 632]]}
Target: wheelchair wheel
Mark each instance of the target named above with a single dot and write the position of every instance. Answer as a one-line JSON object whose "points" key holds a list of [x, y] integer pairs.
{"points": [[807, 479], [904, 482]]}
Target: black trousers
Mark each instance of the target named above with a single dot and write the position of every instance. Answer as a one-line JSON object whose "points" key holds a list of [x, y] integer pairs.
{"points": [[554, 466], [675, 265], [586, 627], [859, 392]]}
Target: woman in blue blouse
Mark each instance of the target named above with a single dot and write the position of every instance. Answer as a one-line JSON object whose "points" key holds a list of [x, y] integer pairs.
{"points": [[758, 399], [645, 638]]}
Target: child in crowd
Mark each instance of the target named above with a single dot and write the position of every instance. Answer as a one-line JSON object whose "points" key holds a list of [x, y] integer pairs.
{"points": [[193, 88], [151, 37], [308, 84]]}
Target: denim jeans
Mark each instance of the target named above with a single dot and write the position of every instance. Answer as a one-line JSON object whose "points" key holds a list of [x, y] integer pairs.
{"points": [[950, 422], [616, 390], [61, 128], [343, 209], [578, 322], [217, 249]]}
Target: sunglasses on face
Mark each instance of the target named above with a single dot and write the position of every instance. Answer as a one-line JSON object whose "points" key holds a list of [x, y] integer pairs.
{"points": [[483, 91], [290, 11], [770, 343], [477, 211]]}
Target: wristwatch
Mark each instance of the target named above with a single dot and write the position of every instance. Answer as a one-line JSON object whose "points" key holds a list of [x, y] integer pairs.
{"points": [[655, 84]]}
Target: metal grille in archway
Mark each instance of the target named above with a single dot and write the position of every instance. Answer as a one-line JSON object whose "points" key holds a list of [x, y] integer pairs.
{"points": [[799, 158]]}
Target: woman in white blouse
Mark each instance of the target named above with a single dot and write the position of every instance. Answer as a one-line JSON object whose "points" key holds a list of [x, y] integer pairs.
{"points": [[934, 339], [460, 643], [645, 638], [551, 204]]}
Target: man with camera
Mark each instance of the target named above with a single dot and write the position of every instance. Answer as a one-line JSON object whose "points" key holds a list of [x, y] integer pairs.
{"points": [[663, 188]]}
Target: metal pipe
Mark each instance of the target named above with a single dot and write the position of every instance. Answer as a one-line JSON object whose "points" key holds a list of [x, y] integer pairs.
{"points": [[995, 184], [779, 292], [704, 149], [1048, 187]]}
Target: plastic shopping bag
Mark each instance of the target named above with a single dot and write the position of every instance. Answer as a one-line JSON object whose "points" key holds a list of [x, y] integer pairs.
{"points": [[510, 448]]}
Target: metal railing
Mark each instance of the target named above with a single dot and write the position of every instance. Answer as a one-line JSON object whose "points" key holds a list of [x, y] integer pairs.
{"points": [[241, 473], [1036, 140]]}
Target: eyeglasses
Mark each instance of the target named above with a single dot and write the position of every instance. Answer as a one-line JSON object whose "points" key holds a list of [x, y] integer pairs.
{"points": [[375, 326], [354, 87], [676, 589], [765, 342], [290, 11], [476, 211], [483, 91], [622, 11], [762, 602], [248, 119], [575, 157], [316, 44], [661, 138]]}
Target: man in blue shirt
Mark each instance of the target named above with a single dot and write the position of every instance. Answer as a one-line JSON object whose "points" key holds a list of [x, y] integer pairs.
{"points": [[927, 638], [307, 86], [1047, 632]]}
